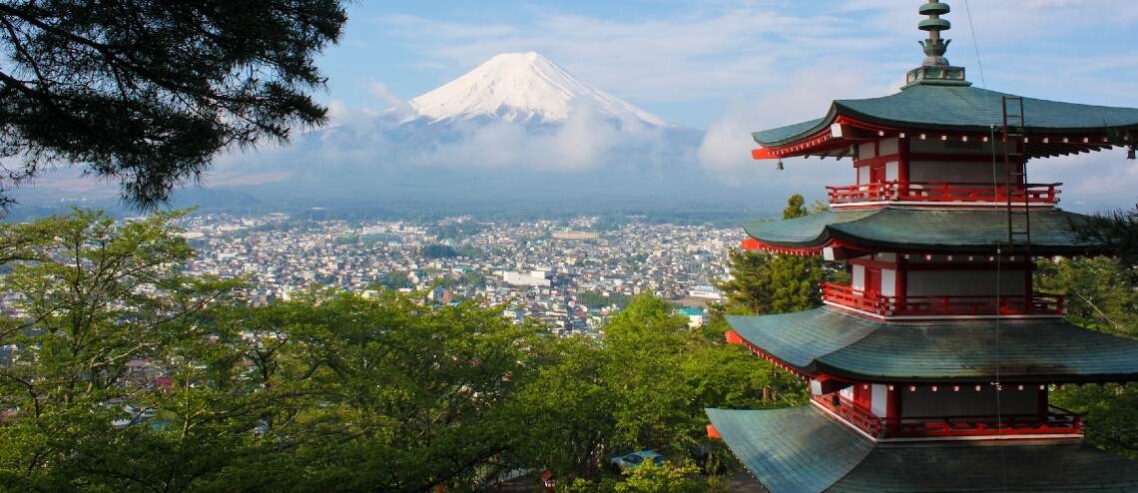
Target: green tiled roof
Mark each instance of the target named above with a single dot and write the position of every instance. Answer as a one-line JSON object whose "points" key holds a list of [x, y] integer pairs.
{"points": [[924, 229], [975, 467], [789, 132], [963, 108], [1048, 350], [791, 450], [803, 451], [799, 339]]}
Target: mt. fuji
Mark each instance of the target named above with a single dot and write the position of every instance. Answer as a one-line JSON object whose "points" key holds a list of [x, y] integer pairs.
{"points": [[517, 131], [526, 88]]}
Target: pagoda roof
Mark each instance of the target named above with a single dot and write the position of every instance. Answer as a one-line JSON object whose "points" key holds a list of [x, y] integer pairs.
{"points": [[803, 450], [923, 230], [958, 108], [829, 341]]}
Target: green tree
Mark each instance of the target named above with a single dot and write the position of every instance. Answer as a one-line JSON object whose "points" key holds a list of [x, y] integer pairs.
{"points": [[412, 395], [569, 411], [765, 283], [1119, 229], [131, 376], [748, 289], [645, 385], [396, 280], [795, 207], [1100, 292], [147, 92], [1100, 296], [668, 478], [436, 251], [646, 343], [96, 298]]}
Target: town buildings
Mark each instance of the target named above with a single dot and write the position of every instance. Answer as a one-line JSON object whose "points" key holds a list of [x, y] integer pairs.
{"points": [[567, 273]]}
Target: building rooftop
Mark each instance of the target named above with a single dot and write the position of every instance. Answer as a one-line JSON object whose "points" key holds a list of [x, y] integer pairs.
{"points": [[922, 230], [1044, 351], [962, 109], [804, 450]]}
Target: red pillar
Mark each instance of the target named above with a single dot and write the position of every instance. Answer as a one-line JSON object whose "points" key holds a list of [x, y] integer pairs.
{"points": [[893, 408], [903, 167], [902, 282]]}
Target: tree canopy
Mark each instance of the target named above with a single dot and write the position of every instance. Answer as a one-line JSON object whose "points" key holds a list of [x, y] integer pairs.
{"points": [[146, 92], [764, 283], [119, 372]]}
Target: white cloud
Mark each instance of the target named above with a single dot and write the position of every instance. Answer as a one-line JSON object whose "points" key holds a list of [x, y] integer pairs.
{"points": [[394, 103], [690, 57], [808, 93], [584, 141]]}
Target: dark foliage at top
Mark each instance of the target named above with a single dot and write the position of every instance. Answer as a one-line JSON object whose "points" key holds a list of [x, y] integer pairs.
{"points": [[146, 92], [1118, 229]]}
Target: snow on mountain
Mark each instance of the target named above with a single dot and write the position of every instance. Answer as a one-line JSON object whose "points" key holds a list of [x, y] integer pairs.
{"points": [[523, 87]]}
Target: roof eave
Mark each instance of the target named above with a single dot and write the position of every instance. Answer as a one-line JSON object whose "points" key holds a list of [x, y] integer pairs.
{"points": [[822, 125], [840, 108]]}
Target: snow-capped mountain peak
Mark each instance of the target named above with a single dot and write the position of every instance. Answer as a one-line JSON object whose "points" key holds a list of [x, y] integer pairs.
{"points": [[523, 87]]}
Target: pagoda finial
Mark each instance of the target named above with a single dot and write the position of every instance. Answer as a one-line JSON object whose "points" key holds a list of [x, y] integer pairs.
{"points": [[935, 47], [936, 69]]}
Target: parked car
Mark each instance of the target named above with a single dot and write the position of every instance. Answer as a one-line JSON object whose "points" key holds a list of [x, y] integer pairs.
{"points": [[708, 457], [626, 462]]}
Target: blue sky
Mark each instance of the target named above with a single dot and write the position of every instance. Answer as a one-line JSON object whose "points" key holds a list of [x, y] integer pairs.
{"points": [[693, 62], [727, 67], [732, 67]]}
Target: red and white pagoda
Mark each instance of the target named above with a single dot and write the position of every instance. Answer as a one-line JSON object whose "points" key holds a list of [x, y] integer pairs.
{"points": [[931, 370]]}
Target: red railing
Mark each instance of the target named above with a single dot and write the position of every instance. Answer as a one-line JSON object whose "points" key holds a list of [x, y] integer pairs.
{"points": [[887, 306], [852, 413], [1054, 421], [1032, 193]]}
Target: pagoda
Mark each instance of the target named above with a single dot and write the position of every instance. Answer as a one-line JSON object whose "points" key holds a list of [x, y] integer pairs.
{"points": [[931, 369]]}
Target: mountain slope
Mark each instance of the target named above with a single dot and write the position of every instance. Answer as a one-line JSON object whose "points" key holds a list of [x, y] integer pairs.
{"points": [[523, 87]]}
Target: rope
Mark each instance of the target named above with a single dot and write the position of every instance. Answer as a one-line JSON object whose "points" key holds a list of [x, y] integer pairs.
{"points": [[979, 61]]}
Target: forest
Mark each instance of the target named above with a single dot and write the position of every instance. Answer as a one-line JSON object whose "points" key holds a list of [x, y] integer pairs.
{"points": [[120, 373]]}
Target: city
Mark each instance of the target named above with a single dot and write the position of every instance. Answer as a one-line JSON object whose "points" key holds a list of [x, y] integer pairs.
{"points": [[567, 274]]}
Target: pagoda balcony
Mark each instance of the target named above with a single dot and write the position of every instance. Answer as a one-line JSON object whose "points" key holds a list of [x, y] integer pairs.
{"points": [[877, 305], [943, 193], [1056, 421]]}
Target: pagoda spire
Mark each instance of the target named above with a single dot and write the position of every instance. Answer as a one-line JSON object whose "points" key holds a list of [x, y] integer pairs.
{"points": [[935, 47], [936, 70]]}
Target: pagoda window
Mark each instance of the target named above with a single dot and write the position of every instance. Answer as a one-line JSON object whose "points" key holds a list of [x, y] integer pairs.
{"points": [[888, 282], [888, 147], [867, 150], [957, 162], [965, 283], [924, 173], [879, 398], [953, 147], [968, 402]]}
